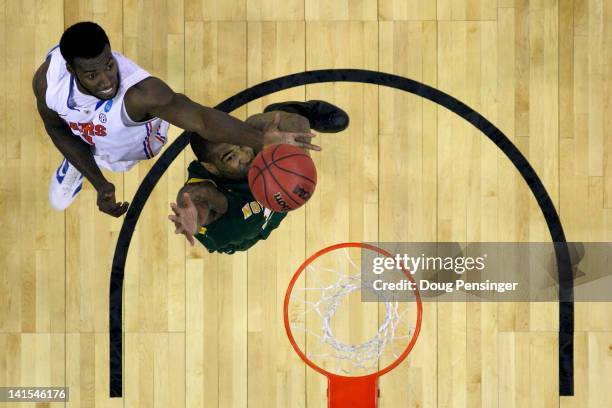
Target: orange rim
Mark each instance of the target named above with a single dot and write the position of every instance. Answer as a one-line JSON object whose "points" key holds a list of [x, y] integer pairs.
{"points": [[303, 356]]}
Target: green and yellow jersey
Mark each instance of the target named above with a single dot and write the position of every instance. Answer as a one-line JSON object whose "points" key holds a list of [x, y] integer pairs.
{"points": [[245, 222]]}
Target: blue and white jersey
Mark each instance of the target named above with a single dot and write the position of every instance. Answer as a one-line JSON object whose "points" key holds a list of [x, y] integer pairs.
{"points": [[117, 141]]}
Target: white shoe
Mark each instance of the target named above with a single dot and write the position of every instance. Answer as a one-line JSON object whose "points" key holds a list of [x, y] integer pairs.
{"points": [[66, 183]]}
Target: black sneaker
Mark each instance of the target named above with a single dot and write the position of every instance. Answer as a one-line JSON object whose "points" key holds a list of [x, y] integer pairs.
{"points": [[323, 116]]}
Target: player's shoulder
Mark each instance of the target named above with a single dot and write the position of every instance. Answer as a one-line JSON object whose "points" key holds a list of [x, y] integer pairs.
{"points": [[196, 173], [150, 91], [196, 169], [39, 81]]}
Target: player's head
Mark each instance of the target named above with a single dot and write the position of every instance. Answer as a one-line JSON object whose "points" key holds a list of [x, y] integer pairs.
{"points": [[223, 159], [87, 52]]}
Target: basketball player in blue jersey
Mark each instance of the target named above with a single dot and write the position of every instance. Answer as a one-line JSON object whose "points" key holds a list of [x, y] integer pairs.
{"points": [[216, 206], [102, 110]]}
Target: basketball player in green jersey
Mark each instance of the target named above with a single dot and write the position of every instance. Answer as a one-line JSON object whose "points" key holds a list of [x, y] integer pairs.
{"points": [[216, 206]]}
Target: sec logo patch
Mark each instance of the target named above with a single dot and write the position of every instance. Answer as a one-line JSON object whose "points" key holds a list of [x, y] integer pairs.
{"points": [[102, 117]]}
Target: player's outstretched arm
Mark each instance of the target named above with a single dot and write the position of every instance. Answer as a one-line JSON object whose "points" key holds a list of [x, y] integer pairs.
{"points": [[77, 152], [152, 97]]}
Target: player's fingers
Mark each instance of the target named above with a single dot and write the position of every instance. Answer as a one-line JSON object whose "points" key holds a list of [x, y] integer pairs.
{"points": [[309, 135], [176, 226], [187, 199], [114, 213], [273, 124], [119, 209], [108, 208], [303, 139], [309, 146], [116, 206], [190, 239]]}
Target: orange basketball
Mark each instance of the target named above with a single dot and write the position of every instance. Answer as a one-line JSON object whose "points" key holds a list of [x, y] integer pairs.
{"points": [[282, 177]]}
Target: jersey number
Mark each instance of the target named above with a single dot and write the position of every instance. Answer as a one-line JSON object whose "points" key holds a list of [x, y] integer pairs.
{"points": [[251, 208]]}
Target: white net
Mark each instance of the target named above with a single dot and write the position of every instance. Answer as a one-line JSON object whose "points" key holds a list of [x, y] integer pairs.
{"points": [[340, 333]]}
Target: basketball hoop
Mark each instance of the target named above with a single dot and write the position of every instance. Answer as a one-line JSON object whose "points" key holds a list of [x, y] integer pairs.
{"points": [[312, 309]]}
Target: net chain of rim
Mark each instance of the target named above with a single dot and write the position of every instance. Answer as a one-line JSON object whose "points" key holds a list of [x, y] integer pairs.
{"points": [[364, 356]]}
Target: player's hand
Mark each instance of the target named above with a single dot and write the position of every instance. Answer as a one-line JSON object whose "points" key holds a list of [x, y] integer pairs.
{"points": [[273, 135], [185, 219], [107, 202]]}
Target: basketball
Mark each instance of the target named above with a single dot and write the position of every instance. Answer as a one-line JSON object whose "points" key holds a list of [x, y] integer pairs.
{"points": [[282, 177]]}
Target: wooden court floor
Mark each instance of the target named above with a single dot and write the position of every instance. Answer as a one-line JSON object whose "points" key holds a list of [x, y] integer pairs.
{"points": [[206, 330]]}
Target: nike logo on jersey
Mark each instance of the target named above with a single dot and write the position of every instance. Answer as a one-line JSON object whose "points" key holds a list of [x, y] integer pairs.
{"points": [[267, 215]]}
